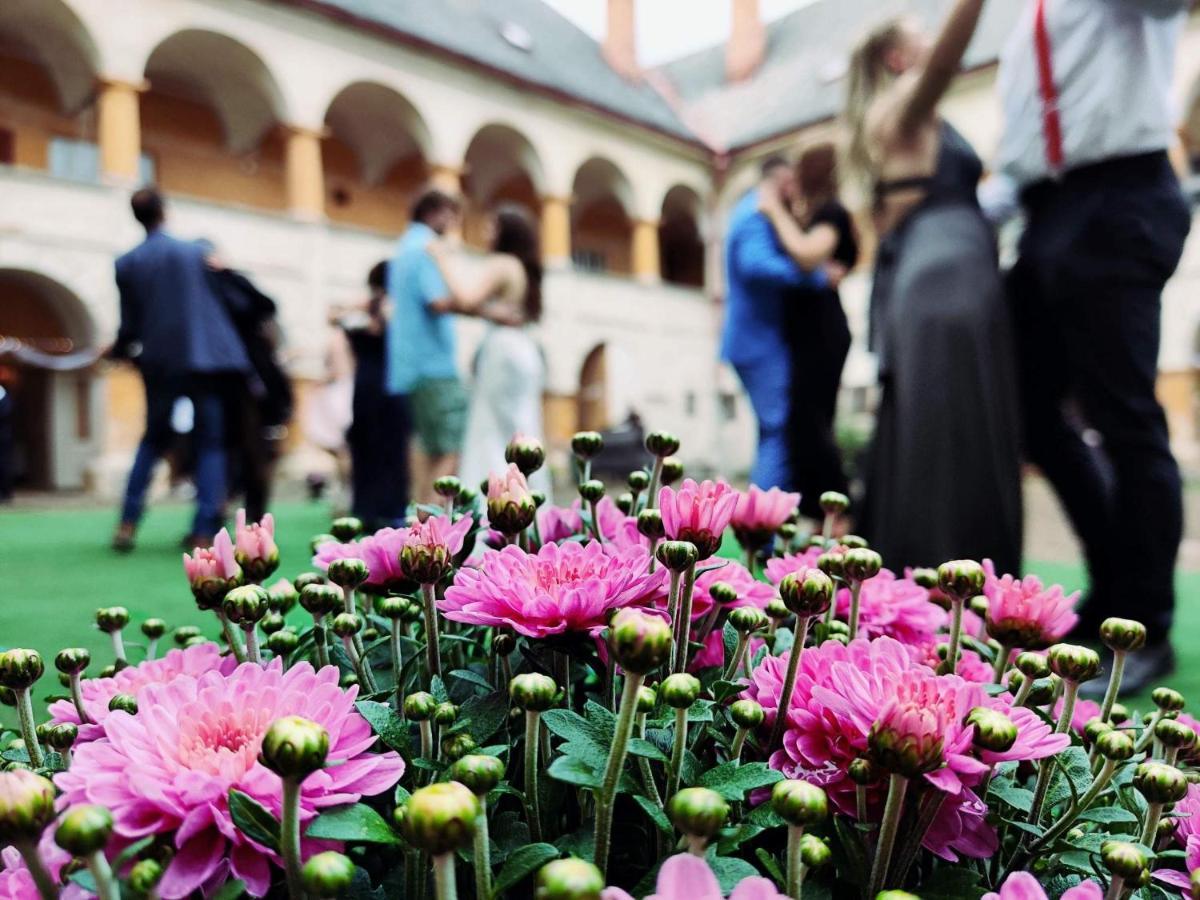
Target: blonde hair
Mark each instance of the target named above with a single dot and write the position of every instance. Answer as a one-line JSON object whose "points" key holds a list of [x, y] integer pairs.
{"points": [[868, 76]]}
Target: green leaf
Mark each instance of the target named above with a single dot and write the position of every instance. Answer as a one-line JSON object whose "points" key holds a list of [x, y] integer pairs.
{"points": [[1072, 777], [639, 747], [732, 781], [482, 717], [952, 883], [575, 771], [723, 690], [437, 687], [130, 852], [352, 822], [386, 723], [254, 820], [1077, 860], [84, 879], [655, 813], [523, 863], [730, 870], [230, 890], [1018, 798], [764, 816], [509, 833], [472, 678], [769, 863], [1107, 815]]}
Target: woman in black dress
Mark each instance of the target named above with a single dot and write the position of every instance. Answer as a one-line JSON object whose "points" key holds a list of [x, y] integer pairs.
{"points": [[818, 233], [944, 477], [379, 433]]}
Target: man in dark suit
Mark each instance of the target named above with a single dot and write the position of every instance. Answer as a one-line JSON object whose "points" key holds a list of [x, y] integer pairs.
{"points": [[181, 336]]}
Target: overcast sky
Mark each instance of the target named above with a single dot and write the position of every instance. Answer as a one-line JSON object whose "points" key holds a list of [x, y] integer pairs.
{"points": [[670, 28]]}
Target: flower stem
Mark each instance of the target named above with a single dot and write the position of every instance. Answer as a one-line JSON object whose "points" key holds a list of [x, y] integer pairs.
{"points": [[956, 617], [483, 860], [397, 657], [673, 597], [532, 811], [1001, 664], [1047, 765], [739, 651], [751, 557], [1023, 692], [445, 886], [855, 595], [1148, 733], [1116, 888], [289, 837], [37, 869], [739, 741], [29, 727], [644, 764], [1150, 829], [890, 826], [1114, 685], [151, 649], [795, 865], [1065, 822], [683, 623], [320, 641], [595, 522], [678, 745], [252, 654], [356, 660], [106, 886], [612, 772], [118, 645], [77, 699], [860, 803], [231, 638], [910, 848], [652, 491], [799, 636], [433, 654]]}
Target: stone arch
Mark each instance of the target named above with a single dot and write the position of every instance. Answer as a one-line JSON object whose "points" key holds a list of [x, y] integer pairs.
{"points": [[602, 212], [48, 34], [681, 237], [500, 166]]}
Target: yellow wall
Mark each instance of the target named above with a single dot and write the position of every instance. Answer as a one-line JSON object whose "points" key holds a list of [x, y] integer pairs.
{"points": [[29, 107], [383, 206], [560, 418], [186, 141], [1177, 392]]}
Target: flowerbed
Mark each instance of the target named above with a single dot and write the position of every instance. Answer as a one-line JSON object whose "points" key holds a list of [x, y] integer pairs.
{"points": [[510, 699]]}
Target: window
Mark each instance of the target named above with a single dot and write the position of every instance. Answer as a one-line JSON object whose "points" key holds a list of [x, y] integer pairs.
{"points": [[78, 160], [589, 261]]}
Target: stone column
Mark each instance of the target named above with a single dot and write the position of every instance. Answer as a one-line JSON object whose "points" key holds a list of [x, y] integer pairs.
{"points": [[305, 175], [119, 131], [446, 178], [556, 231], [646, 266]]}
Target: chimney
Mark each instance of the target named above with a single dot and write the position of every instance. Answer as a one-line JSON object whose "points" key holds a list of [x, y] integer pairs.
{"points": [[620, 43], [747, 41]]}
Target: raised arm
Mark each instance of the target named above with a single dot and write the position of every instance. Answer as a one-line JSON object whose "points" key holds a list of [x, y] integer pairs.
{"points": [[922, 93], [467, 293], [760, 259]]}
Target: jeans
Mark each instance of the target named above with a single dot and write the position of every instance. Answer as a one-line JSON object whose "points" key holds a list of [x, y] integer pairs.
{"points": [[768, 381], [209, 395], [1087, 295]]}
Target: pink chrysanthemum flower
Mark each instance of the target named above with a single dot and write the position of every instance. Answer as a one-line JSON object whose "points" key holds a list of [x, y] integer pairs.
{"points": [[255, 540], [196, 738], [429, 547], [778, 567], [1024, 613], [16, 882], [212, 563], [895, 607], [971, 666], [380, 551], [557, 523], [572, 587], [1187, 835], [699, 513], [838, 695], [758, 514], [750, 591], [1023, 886], [194, 661], [688, 877]]}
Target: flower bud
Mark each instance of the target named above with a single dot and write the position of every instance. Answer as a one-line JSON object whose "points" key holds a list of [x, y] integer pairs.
{"points": [[808, 594], [833, 503], [84, 830], [154, 628], [799, 802], [814, 852], [391, 607], [787, 532], [526, 453], [304, 579], [746, 714], [20, 669], [281, 643], [1123, 634], [896, 895], [1119, 714], [108, 671], [639, 642], [348, 573], [1072, 662], [294, 747], [112, 618], [283, 595], [145, 876], [1173, 734], [185, 633], [346, 625], [447, 486], [245, 605], [72, 660], [679, 691], [979, 606], [456, 746], [994, 731], [837, 626], [926, 578], [445, 714], [26, 806], [569, 879], [777, 610], [961, 579], [863, 564], [672, 471], [348, 680], [863, 772], [647, 699], [748, 619], [723, 593], [479, 773], [662, 444], [272, 622], [1043, 691], [854, 542], [1160, 783], [533, 692], [650, 524], [126, 703], [62, 737], [1123, 859], [592, 491], [638, 480], [1167, 699], [313, 543], [832, 564], [320, 599], [1094, 728], [624, 502], [439, 818], [677, 555], [587, 444], [1033, 665], [346, 528], [419, 706], [1166, 827], [327, 874], [503, 644], [697, 811]]}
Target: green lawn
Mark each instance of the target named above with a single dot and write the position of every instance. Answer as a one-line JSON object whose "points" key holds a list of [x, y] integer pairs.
{"points": [[56, 569]]}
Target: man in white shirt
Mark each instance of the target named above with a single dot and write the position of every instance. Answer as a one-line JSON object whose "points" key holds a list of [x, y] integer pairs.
{"points": [[1086, 92]]}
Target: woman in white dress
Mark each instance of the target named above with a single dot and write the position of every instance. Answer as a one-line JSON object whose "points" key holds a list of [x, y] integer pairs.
{"points": [[506, 396]]}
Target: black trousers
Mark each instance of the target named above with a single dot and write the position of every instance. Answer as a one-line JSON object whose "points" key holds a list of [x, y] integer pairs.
{"points": [[1087, 296], [820, 337]]}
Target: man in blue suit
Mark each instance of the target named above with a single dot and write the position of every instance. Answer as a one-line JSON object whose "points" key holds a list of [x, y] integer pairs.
{"points": [[176, 328], [759, 275]]}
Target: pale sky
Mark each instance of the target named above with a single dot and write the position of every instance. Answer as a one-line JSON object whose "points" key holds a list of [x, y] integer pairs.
{"points": [[670, 28]]}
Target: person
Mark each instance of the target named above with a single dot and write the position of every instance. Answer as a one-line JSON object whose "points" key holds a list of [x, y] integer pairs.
{"points": [[943, 481], [421, 342], [176, 329], [506, 396], [817, 231], [1106, 224], [7, 434], [378, 435], [758, 277], [329, 414]]}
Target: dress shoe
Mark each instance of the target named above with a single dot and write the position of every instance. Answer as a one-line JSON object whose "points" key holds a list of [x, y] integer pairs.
{"points": [[122, 539], [1142, 670]]}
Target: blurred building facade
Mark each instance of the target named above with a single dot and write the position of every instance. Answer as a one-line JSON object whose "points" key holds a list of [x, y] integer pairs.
{"points": [[295, 133]]}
